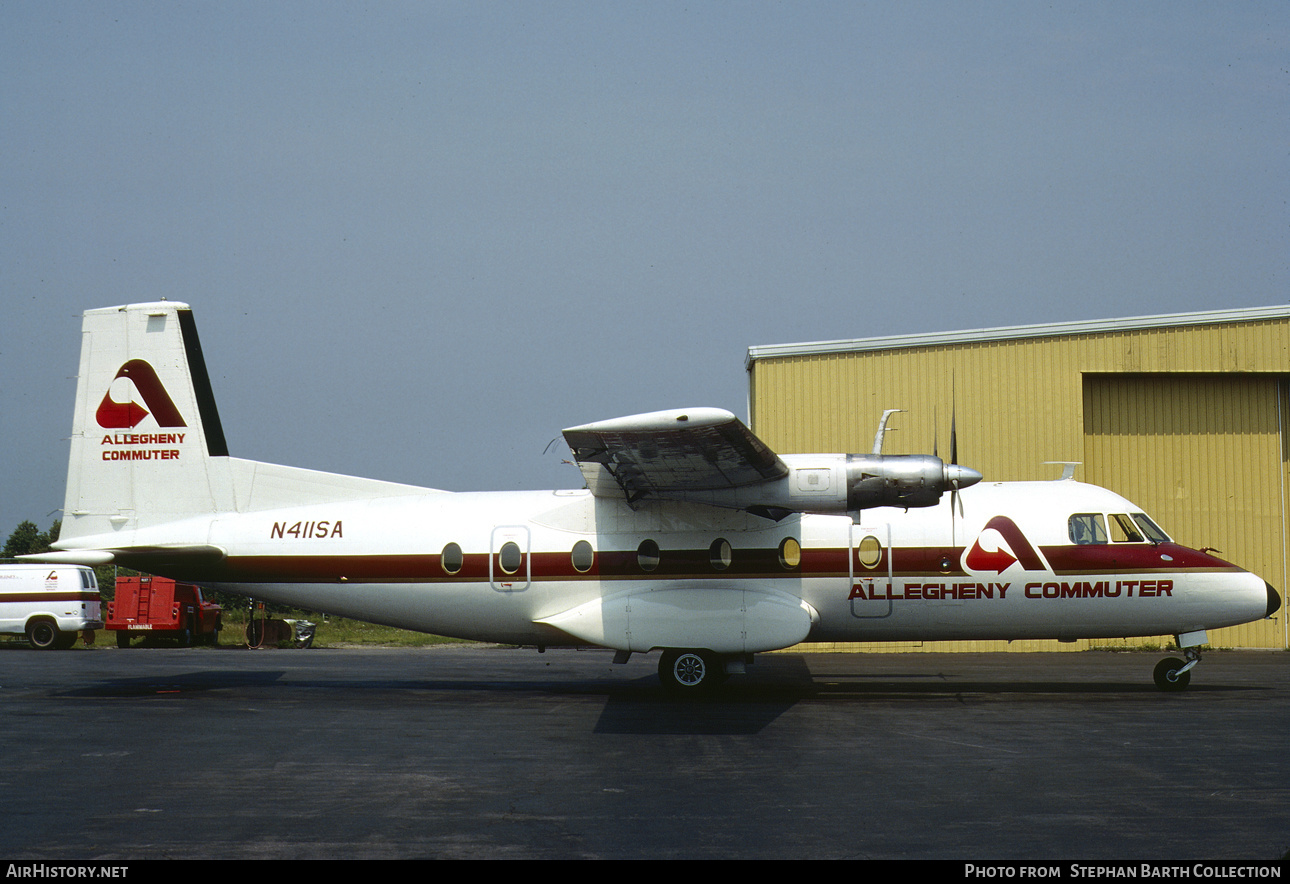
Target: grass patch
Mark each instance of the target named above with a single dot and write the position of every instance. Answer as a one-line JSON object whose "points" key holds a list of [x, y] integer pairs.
{"points": [[331, 632], [337, 632]]}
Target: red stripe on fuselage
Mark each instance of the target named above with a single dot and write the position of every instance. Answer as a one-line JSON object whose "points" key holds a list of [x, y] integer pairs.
{"points": [[1120, 558], [693, 564]]}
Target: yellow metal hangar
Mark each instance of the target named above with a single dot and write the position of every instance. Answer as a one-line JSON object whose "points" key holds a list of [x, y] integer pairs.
{"points": [[1186, 414]]}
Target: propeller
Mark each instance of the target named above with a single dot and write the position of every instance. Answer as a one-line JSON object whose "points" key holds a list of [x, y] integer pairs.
{"points": [[958, 476], [954, 431]]}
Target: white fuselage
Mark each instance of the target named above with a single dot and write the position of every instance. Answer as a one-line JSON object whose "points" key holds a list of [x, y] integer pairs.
{"points": [[918, 574]]}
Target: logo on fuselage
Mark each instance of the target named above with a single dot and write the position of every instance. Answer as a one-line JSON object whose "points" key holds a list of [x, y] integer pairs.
{"points": [[1006, 545]]}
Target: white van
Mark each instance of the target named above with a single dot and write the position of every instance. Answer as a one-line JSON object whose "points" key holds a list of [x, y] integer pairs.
{"points": [[50, 604]]}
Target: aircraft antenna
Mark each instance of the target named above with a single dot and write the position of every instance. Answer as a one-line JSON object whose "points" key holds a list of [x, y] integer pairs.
{"points": [[882, 429], [1068, 468]]}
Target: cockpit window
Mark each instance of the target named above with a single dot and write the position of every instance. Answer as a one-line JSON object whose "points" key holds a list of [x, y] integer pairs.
{"points": [[1087, 528], [1123, 530], [1150, 528]]}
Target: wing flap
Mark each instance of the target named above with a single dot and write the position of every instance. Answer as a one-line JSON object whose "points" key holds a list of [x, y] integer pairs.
{"points": [[662, 452]]}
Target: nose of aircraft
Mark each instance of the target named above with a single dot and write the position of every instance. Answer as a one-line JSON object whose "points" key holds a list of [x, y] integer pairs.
{"points": [[1274, 600], [961, 477]]}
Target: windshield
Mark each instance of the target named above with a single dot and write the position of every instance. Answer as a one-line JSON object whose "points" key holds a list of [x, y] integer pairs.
{"points": [[1150, 528]]}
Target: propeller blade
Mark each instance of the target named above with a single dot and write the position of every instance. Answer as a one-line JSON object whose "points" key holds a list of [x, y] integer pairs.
{"points": [[954, 433], [954, 442]]}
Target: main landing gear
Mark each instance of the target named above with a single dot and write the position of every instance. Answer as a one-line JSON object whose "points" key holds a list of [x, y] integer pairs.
{"points": [[691, 672]]}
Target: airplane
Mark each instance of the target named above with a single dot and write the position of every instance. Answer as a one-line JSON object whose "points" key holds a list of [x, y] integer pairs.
{"points": [[691, 537]]}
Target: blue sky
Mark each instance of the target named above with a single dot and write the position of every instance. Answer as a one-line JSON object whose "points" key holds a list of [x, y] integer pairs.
{"points": [[421, 238]]}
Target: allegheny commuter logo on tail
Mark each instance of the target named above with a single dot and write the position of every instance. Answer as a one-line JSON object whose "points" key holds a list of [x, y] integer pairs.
{"points": [[113, 415]]}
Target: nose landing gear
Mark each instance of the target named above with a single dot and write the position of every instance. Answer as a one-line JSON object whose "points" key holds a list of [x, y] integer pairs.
{"points": [[1172, 674]]}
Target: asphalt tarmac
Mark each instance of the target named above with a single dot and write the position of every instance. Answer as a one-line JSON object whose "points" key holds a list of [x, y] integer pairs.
{"points": [[470, 752]]}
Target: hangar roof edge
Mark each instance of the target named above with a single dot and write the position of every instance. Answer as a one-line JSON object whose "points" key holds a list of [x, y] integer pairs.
{"points": [[1017, 332]]}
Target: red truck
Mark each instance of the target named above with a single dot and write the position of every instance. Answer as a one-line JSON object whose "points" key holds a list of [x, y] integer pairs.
{"points": [[158, 606]]}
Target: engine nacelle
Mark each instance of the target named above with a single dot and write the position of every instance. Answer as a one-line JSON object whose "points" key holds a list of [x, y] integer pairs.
{"points": [[834, 484], [902, 480]]}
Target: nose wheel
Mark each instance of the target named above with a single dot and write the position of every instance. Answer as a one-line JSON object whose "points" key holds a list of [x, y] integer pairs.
{"points": [[1172, 674]]}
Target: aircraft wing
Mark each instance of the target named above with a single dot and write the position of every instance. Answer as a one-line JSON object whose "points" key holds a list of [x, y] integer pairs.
{"points": [[663, 452]]}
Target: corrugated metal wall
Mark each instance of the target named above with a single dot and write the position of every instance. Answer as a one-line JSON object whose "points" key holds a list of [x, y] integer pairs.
{"points": [[1188, 422], [1206, 451]]}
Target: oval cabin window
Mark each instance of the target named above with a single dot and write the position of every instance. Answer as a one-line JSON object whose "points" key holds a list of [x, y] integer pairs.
{"points": [[451, 558], [790, 553], [720, 554], [647, 555], [509, 558], [583, 557], [870, 552]]}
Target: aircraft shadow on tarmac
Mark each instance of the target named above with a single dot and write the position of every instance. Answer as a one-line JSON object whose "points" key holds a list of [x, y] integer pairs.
{"points": [[171, 685], [745, 705]]}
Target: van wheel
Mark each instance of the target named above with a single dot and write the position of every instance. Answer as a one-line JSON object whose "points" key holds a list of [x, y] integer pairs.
{"points": [[42, 634]]}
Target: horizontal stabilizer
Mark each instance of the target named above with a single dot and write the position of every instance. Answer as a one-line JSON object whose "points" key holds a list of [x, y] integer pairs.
{"points": [[90, 557], [144, 558]]}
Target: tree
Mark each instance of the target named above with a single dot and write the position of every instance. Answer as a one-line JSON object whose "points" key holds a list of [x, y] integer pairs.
{"points": [[27, 539]]}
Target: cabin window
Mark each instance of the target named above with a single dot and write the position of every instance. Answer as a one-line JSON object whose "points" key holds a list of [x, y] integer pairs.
{"points": [[790, 553], [1087, 528], [583, 557], [1123, 530], [869, 552], [1150, 528], [720, 554], [647, 555], [451, 558], [510, 557]]}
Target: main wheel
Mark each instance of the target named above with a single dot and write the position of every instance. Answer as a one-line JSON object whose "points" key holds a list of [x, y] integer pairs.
{"points": [[689, 672], [43, 634], [1167, 676]]}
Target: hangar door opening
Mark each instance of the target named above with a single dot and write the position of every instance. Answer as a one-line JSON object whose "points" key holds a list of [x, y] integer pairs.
{"points": [[1205, 455]]}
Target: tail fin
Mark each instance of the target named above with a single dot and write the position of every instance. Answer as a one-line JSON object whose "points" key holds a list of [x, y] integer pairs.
{"points": [[146, 434], [148, 448]]}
